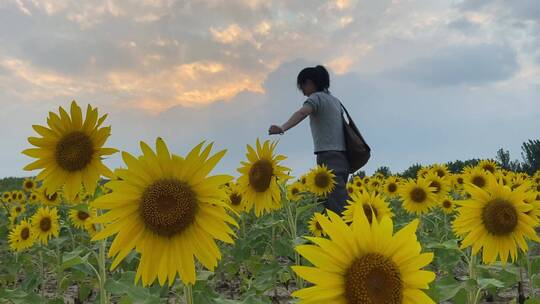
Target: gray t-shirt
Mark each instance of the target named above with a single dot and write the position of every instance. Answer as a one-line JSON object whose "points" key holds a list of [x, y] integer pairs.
{"points": [[326, 122]]}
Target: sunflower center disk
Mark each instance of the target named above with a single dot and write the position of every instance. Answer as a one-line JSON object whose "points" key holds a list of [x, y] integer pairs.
{"points": [[168, 207], [436, 185], [294, 191], [373, 279], [368, 211], [45, 224], [51, 197], [260, 175], [489, 168], [500, 217], [236, 199], [479, 181], [418, 195], [82, 215], [392, 188], [74, 151], [25, 233], [447, 204], [440, 173], [322, 180]]}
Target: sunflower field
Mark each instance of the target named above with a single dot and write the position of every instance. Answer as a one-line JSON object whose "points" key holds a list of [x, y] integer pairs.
{"points": [[163, 228]]}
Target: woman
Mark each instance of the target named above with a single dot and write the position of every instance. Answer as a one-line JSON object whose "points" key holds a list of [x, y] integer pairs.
{"points": [[326, 123]]}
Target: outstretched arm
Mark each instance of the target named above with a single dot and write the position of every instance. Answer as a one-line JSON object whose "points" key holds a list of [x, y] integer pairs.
{"points": [[295, 119]]}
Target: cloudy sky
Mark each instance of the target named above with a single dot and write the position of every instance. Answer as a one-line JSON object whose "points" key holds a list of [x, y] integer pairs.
{"points": [[426, 81]]}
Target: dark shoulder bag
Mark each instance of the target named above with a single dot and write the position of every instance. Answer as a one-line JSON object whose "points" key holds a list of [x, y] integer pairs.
{"points": [[358, 151]]}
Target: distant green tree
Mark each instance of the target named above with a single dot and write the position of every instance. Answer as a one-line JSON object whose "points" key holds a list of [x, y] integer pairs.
{"points": [[411, 171], [531, 156], [384, 170], [503, 158], [458, 165], [11, 183]]}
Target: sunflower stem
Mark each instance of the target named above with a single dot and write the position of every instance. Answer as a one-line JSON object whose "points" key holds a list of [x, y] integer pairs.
{"points": [[102, 270], [102, 273], [532, 292], [72, 237], [188, 293], [59, 269], [473, 293], [243, 225], [42, 270], [445, 226], [292, 220]]}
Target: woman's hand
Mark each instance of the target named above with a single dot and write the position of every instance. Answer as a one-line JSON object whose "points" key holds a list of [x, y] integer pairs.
{"points": [[275, 130]]}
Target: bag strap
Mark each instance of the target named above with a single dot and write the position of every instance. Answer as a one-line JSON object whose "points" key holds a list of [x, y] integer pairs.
{"points": [[351, 122], [346, 112]]}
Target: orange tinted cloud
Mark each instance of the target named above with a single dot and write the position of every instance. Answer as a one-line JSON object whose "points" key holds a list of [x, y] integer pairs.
{"points": [[189, 84], [31, 83]]}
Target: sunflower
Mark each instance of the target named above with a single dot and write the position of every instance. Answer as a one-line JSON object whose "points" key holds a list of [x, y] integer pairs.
{"points": [[518, 180], [21, 236], [52, 199], [21, 197], [536, 177], [375, 185], [391, 186], [235, 199], [29, 184], [91, 228], [370, 203], [321, 180], [17, 210], [358, 181], [70, 151], [533, 198], [169, 210], [314, 226], [14, 196], [79, 217], [440, 170], [33, 197], [45, 224], [440, 184], [488, 165], [6, 195], [294, 191], [351, 188], [447, 205], [422, 172], [418, 196], [364, 263], [259, 179], [494, 219], [457, 181], [477, 176]]}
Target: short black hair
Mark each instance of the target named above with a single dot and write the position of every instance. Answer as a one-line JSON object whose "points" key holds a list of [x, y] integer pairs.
{"points": [[318, 74]]}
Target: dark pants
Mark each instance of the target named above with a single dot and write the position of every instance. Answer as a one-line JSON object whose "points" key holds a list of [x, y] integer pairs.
{"points": [[337, 162]]}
